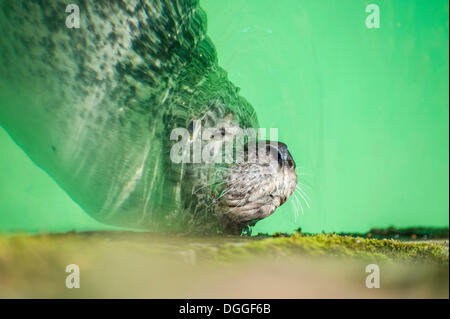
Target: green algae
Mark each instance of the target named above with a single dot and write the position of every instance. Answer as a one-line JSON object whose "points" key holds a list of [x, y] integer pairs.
{"points": [[232, 248], [333, 245]]}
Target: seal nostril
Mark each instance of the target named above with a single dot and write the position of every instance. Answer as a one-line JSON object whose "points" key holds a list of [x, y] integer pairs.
{"points": [[291, 163], [284, 157], [280, 159]]}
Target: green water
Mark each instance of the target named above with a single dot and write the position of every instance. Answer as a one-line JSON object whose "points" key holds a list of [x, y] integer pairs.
{"points": [[363, 111]]}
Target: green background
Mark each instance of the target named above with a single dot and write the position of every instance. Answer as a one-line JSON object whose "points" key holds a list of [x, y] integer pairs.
{"points": [[363, 111]]}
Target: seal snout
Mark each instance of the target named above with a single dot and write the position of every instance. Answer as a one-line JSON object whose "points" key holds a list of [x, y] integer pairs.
{"points": [[255, 189]]}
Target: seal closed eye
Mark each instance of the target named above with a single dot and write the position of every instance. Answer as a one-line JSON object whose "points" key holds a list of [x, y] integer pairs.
{"points": [[95, 106]]}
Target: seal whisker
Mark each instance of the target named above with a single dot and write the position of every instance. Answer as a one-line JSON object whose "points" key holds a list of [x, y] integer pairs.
{"points": [[295, 206], [303, 192], [223, 194], [303, 196], [208, 185], [306, 202], [305, 184], [299, 202]]}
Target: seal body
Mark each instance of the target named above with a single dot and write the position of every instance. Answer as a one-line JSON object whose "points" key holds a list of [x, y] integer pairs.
{"points": [[94, 106]]}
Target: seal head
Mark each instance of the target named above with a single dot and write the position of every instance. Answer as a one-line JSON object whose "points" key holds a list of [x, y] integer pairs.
{"points": [[254, 190]]}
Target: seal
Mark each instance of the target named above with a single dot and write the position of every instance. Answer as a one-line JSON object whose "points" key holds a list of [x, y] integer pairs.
{"points": [[95, 106]]}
